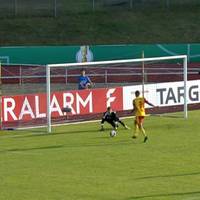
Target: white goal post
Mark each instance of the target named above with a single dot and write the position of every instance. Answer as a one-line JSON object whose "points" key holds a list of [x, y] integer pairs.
{"points": [[84, 64]]}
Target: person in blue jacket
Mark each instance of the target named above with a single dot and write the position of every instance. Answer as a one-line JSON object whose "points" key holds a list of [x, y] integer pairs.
{"points": [[84, 81]]}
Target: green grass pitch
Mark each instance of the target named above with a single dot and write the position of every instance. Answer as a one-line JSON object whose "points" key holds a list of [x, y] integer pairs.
{"points": [[77, 162]]}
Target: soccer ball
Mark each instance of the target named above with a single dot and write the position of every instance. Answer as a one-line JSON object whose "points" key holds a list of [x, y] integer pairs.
{"points": [[113, 133]]}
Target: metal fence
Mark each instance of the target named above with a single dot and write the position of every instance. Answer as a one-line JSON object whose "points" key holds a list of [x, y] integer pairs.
{"points": [[21, 79], [54, 8]]}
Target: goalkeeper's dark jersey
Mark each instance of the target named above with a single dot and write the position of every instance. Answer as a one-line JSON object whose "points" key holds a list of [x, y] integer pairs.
{"points": [[110, 117]]}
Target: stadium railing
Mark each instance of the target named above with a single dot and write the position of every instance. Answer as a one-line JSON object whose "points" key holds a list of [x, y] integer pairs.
{"points": [[56, 8], [22, 78]]}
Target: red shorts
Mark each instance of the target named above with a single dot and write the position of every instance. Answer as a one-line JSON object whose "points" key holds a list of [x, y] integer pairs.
{"points": [[139, 119]]}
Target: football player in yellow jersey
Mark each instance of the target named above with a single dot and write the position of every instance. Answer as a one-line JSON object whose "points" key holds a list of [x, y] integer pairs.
{"points": [[139, 111]]}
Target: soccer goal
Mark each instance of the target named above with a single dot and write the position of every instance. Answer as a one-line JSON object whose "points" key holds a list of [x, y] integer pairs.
{"points": [[161, 80], [48, 95]]}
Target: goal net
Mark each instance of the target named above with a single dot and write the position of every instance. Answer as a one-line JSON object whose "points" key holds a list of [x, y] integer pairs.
{"points": [[162, 80], [22, 89], [48, 95]]}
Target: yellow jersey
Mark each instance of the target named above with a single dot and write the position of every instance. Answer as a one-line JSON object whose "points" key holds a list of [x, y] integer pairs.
{"points": [[138, 104]]}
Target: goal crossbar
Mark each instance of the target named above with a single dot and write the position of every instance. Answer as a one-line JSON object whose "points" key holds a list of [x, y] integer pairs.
{"points": [[118, 61]]}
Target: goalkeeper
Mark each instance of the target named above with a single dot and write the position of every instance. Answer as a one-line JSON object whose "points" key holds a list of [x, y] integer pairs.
{"points": [[111, 117]]}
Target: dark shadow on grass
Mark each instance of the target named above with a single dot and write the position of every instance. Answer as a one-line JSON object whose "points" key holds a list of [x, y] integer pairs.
{"points": [[45, 134], [168, 176], [23, 133], [164, 195], [98, 145], [33, 148], [84, 145]]}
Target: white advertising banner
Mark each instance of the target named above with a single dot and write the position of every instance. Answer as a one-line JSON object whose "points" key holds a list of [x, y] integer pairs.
{"points": [[163, 94]]}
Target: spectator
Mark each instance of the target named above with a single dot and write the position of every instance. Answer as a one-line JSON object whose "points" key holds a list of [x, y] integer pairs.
{"points": [[84, 81]]}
